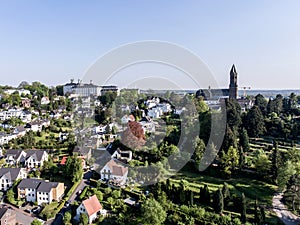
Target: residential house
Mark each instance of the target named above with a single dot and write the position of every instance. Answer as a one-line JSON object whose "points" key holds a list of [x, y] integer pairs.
{"points": [[147, 124], [25, 116], [155, 112], [101, 129], [55, 114], [49, 191], [45, 100], [91, 207], [97, 102], [27, 189], [35, 158], [15, 156], [4, 139], [40, 191], [20, 131], [68, 117], [37, 125], [125, 119], [114, 172], [150, 103], [63, 136], [26, 103], [124, 156], [7, 216], [86, 152], [9, 175], [125, 108]]}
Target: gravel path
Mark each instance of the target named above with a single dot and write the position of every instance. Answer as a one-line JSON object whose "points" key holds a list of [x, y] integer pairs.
{"points": [[283, 214]]}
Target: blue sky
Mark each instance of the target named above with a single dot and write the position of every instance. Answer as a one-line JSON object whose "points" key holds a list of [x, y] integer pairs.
{"points": [[53, 41]]}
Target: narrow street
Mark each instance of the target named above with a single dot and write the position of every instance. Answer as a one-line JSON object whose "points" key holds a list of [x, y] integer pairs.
{"points": [[287, 217], [84, 182]]}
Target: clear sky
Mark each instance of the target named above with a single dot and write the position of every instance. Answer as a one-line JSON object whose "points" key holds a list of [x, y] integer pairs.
{"points": [[53, 41]]}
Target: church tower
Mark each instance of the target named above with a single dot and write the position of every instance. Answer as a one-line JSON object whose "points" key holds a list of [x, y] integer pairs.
{"points": [[233, 87]]}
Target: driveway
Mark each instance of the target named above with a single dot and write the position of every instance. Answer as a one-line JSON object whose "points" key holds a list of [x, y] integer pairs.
{"points": [[283, 214]]}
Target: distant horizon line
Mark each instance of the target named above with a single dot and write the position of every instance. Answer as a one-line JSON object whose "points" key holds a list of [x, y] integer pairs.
{"points": [[184, 89]]}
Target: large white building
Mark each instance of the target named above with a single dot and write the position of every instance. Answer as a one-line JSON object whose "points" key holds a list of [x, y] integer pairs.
{"points": [[81, 89], [88, 89]]}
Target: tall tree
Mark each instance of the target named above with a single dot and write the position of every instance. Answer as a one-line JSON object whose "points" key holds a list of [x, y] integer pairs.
{"points": [[255, 122], [226, 194], [205, 195], [275, 158], [257, 214], [84, 220], [229, 161], [153, 213], [244, 140], [262, 103], [219, 201], [243, 209], [199, 147]]}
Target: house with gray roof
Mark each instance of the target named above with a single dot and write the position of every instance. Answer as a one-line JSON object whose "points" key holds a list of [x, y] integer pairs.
{"points": [[40, 191], [9, 175], [27, 189], [35, 158], [30, 158], [15, 156]]}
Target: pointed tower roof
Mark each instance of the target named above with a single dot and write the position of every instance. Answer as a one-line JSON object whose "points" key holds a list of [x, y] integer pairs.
{"points": [[233, 70]]}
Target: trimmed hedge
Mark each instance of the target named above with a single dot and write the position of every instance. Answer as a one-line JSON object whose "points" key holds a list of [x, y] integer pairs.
{"points": [[83, 193]]}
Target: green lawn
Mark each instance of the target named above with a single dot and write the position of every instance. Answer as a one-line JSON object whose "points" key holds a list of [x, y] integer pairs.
{"points": [[253, 189]]}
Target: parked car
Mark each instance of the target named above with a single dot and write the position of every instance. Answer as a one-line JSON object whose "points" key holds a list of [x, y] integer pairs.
{"points": [[36, 210], [27, 210], [67, 204]]}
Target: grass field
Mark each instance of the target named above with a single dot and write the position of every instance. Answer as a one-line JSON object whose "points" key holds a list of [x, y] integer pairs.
{"points": [[253, 189]]}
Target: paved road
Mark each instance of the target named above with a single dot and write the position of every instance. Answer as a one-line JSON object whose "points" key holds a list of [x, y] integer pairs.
{"points": [[283, 214]]}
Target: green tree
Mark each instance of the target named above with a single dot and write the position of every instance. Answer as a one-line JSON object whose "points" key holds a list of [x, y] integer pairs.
{"points": [[262, 163], [153, 213], [67, 218], [275, 158], [243, 209], [36, 222], [205, 195], [229, 161], [261, 103], [244, 140], [84, 220], [257, 214], [116, 194], [255, 122], [226, 193], [73, 168], [218, 201], [199, 147]]}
